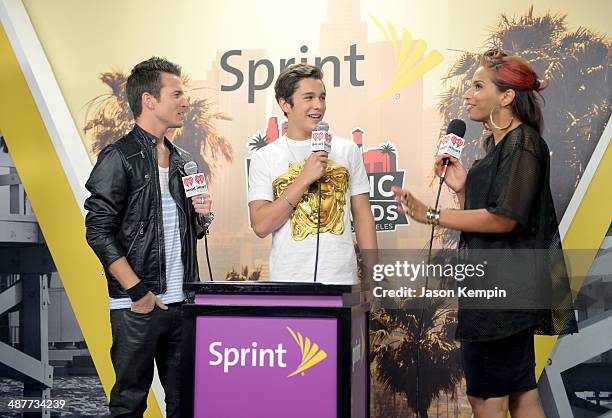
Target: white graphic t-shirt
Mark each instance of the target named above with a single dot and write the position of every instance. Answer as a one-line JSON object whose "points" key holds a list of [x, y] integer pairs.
{"points": [[292, 258]]}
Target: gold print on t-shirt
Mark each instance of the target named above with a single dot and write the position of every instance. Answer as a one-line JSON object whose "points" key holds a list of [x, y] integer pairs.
{"points": [[334, 186]]}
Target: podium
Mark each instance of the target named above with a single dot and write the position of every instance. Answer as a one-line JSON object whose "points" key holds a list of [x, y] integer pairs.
{"points": [[275, 350]]}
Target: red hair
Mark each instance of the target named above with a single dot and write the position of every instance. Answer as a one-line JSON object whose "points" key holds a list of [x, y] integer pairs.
{"points": [[512, 71], [515, 73]]}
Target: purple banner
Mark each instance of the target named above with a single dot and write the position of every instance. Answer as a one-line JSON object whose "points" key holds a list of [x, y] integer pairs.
{"points": [[256, 367]]}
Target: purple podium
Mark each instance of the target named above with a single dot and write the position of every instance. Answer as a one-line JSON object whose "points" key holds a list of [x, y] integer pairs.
{"points": [[275, 350]]}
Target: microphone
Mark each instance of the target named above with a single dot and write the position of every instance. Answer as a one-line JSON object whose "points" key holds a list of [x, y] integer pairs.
{"points": [[194, 184], [321, 139], [451, 144]]}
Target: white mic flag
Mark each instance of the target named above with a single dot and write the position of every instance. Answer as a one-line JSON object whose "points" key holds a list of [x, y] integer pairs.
{"points": [[321, 139]]}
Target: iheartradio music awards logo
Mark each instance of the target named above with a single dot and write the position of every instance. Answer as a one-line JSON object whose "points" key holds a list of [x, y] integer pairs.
{"points": [[380, 163]]}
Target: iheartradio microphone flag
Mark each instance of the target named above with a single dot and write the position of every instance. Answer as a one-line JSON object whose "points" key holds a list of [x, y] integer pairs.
{"points": [[194, 183], [321, 139], [451, 145]]}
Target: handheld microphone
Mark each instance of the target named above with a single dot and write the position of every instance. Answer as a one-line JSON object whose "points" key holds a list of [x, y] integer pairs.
{"points": [[451, 144], [321, 139], [194, 184]]}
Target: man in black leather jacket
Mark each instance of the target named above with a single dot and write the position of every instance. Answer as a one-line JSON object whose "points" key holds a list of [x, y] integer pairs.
{"points": [[144, 229]]}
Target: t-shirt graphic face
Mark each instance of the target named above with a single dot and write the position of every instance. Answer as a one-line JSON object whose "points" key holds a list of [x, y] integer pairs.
{"points": [[334, 185]]}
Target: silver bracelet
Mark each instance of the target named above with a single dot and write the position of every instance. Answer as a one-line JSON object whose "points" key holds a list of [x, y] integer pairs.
{"points": [[288, 202], [208, 219], [432, 217]]}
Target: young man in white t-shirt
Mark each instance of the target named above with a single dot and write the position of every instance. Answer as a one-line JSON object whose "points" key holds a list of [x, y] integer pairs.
{"points": [[284, 196]]}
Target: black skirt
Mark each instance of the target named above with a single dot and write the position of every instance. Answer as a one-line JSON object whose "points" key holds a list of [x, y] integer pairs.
{"points": [[500, 367]]}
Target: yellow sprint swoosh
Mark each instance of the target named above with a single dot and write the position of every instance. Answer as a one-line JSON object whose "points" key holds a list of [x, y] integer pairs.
{"points": [[411, 63], [311, 354]]}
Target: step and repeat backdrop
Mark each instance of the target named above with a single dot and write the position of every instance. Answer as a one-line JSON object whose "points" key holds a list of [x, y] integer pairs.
{"points": [[395, 73]]}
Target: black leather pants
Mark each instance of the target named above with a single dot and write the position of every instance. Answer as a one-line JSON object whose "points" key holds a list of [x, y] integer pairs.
{"points": [[138, 339]]}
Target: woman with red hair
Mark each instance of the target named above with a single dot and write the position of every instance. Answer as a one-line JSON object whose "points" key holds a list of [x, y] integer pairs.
{"points": [[506, 206]]}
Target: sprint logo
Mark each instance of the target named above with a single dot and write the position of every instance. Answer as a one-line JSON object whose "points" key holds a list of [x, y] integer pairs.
{"points": [[272, 357], [411, 63], [311, 354]]}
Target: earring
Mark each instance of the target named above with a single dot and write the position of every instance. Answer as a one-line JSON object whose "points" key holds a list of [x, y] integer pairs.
{"points": [[497, 127]]}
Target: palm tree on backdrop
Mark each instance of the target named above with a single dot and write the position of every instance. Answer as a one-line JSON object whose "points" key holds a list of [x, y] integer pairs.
{"points": [[257, 141], [245, 275], [113, 119], [387, 148], [394, 343], [575, 63]]}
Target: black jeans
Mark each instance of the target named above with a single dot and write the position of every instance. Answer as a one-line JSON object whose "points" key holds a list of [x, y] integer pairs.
{"points": [[138, 339]]}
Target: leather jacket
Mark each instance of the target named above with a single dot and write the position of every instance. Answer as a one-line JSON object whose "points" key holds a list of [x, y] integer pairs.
{"points": [[124, 211]]}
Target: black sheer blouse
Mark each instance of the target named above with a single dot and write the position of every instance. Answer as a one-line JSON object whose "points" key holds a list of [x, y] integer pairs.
{"points": [[513, 180]]}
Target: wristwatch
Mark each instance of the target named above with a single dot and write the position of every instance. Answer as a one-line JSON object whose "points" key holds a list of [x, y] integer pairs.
{"points": [[207, 220]]}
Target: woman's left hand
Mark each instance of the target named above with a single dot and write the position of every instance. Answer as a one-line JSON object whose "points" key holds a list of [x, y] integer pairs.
{"points": [[410, 205]]}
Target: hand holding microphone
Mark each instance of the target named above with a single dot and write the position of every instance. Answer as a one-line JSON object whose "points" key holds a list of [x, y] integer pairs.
{"points": [[201, 204], [196, 188], [447, 166], [320, 146], [314, 167], [456, 174]]}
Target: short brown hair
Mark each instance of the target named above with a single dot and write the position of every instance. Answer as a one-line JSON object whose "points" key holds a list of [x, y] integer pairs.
{"points": [[146, 78], [286, 83]]}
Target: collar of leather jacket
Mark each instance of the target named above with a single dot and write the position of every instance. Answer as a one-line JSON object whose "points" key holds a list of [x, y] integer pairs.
{"points": [[147, 137], [178, 156]]}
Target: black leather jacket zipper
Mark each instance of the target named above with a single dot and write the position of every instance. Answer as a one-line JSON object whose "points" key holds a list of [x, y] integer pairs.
{"points": [[141, 153], [138, 232]]}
